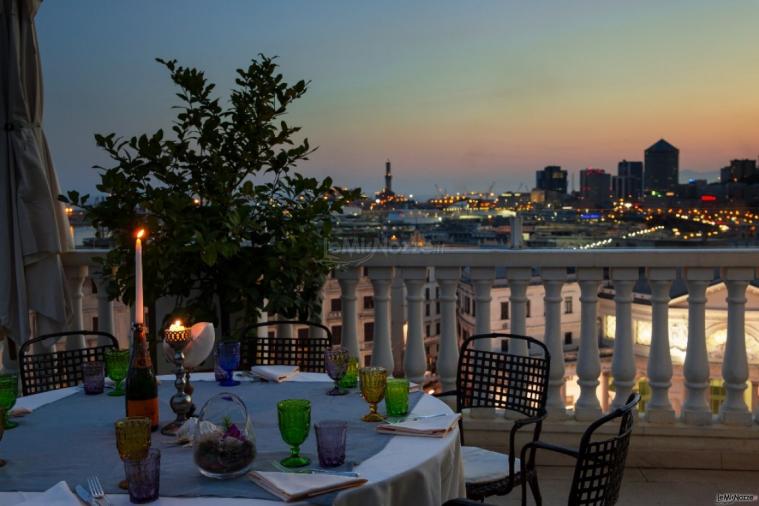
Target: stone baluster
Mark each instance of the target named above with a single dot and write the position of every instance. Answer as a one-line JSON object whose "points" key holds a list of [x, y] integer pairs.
{"points": [[398, 321], [448, 352], [105, 305], [519, 279], [553, 280], [623, 362], [75, 276], [587, 406], [382, 353], [316, 316], [482, 279], [348, 279], [659, 408], [696, 367], [415, 361], [263, 317], [734, 410]]}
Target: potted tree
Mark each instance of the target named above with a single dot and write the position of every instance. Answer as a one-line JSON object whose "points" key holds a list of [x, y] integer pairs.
{"points": [[233, 229]]}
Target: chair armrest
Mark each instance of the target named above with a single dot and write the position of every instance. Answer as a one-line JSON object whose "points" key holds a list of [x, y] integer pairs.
{"points": [[534, 445]]}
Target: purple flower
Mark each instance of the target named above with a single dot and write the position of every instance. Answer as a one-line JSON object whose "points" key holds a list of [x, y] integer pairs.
{"points": [[233, 431]]}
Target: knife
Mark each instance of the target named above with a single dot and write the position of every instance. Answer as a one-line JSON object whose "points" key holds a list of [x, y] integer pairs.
{"points": [[85, 496]]}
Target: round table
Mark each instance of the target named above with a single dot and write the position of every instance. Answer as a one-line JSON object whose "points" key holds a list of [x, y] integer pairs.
{"points": [[417, 471]]}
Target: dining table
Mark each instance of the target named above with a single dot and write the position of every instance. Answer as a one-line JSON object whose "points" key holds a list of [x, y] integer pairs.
{"points": [[69, 436]]}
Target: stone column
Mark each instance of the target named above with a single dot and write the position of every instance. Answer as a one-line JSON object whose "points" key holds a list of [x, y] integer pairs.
{"points": [[734, 410], [519, 279], [348, 279], [75, 276], [397, 321], [482, 279], [623, 362], [105, 305], [553, 280], [415, 363], [382, 353], [587, 407], [659, 409], [448, 353], [695, 409]]}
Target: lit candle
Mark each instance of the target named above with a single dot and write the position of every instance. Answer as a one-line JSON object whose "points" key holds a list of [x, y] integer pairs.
{"points": [[177, 335], [139, 308]]}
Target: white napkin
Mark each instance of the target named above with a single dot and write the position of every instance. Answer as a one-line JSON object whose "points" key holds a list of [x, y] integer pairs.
{"points": [[436, 426], [278, 373], [58, 495], [296, 486]]}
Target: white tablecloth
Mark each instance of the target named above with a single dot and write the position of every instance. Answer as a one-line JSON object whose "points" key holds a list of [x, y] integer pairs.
{"points": [[413, 471]]}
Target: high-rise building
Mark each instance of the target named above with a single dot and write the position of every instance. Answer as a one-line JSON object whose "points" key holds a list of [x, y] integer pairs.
{"points": [[551, 178], [662, 163], [628, 182], [738, 170], [595, 187]]}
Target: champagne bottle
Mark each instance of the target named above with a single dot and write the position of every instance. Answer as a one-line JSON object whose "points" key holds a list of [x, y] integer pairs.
{"points": [[141, 386]]}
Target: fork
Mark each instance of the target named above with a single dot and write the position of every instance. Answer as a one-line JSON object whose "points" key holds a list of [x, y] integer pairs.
{"points": [[96, 489]]}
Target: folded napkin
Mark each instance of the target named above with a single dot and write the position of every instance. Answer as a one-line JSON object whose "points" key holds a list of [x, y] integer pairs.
{"points": [[296, 486], [58, 495], [434, 426], [278, 373]]}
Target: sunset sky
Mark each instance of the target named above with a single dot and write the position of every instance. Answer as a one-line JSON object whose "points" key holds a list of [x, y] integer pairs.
{"points": [[455, 93]]}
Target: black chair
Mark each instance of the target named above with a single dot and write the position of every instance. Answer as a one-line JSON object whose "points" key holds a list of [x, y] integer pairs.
{"points": [[600, 460], [307, 353], [499, 379], [41, 372]]}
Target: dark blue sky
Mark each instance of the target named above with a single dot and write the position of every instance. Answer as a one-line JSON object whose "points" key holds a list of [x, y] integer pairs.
{"points": [[455, 93]]}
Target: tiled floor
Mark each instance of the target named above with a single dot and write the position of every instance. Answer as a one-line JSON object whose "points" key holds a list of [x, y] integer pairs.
{"points": [[650, 487]]}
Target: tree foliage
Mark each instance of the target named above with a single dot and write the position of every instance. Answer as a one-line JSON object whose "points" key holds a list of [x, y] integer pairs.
{"points": [[233, 229]]}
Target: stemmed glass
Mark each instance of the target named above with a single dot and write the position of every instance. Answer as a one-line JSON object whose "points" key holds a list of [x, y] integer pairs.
{"points": [[117, 366], [373, 381], [336, 362], [294, 424], [8, 395], [132, 439], [229, 360]]}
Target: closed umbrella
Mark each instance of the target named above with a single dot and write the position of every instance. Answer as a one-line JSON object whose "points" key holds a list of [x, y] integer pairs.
{"points": [[33, 226]]}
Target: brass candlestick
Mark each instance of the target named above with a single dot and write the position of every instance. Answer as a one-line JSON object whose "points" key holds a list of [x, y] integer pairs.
{"points": [[181, 402]]}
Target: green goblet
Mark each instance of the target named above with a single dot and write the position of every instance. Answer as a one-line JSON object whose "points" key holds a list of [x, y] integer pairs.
{"points": [[8, 395], [117, 366], [294, 424]]}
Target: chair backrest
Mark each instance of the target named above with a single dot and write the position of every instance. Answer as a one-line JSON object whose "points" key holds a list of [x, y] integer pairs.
{"points": [[601, 462], [307, 353], [500, 379], [41, 372]]}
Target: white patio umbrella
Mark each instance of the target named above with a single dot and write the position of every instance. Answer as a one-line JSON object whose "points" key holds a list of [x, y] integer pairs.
{"points": [[33, 226]]}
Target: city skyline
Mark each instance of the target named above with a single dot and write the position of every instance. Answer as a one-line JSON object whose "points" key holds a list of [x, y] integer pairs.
{"points": [[482, 93]]}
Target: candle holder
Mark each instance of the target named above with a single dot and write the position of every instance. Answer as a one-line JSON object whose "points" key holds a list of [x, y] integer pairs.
{"points": [[181, 402]]}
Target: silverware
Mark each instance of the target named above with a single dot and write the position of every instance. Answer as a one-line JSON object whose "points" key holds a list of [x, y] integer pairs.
{"points": [[84, 495], [96, 489], [424, 417]]}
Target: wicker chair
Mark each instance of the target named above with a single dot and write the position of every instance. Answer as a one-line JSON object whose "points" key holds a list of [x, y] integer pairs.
{"points": [[491, 379], [306, 353], [600, 460], [41, 372]]}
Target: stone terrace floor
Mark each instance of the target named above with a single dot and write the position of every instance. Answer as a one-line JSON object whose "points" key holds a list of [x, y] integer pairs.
{"points": [[649, 487]]}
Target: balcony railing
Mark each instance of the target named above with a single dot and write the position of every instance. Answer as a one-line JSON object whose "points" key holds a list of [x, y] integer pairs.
{"points": [[388, 269]]}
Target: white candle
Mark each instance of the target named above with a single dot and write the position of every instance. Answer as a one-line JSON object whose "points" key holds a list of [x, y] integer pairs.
{"points": [[139, 308]]}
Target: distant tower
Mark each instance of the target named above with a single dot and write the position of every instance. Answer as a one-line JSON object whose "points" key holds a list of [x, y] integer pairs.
{"points": [[388, 178]]}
